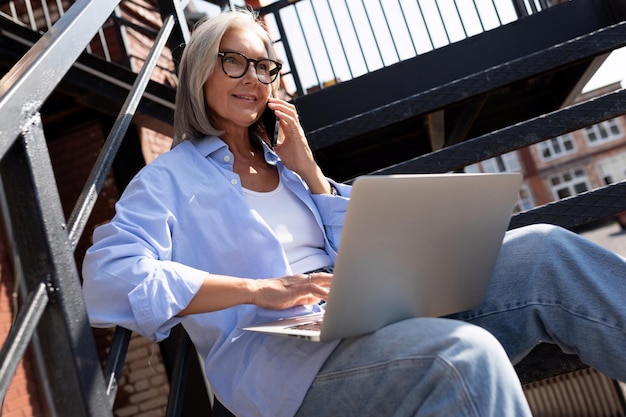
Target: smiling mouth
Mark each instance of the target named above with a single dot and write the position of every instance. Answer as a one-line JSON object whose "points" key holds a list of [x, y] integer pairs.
{"points": [[245, 97]]}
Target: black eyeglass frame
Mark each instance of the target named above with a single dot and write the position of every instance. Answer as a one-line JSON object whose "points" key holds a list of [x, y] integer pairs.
{"points": [[273, 73]]}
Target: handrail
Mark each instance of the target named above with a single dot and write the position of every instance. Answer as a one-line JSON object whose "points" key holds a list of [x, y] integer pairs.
{"points": [[323, 55], [37, 217], [93, 186], [179, 373]]}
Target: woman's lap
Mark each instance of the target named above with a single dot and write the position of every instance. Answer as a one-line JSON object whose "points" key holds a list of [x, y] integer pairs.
{"points": [[549, 285], [398, 371]]}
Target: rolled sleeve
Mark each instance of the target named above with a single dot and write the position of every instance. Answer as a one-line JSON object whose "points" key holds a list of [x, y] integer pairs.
{"points": [[332, 210], [157, 301]]}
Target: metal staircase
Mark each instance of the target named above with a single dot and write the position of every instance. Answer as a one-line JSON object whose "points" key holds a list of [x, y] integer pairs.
{"points": [[408, 117], [504, 76]]}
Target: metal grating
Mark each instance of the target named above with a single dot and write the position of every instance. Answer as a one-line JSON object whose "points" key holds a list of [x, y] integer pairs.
{"points": [[606, 40], [585, 393]]}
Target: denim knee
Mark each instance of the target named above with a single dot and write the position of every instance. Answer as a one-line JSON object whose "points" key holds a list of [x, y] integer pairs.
{"points": [[432, 366], [471, 346]]}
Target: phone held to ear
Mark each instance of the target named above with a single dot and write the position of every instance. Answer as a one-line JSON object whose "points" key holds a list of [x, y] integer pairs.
{"points": [[271, 124]]}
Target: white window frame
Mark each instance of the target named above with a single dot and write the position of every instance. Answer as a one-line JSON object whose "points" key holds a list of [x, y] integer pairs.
{"points": [[556, 147], [612, 169], [525, 199], [569, 180], [603, 132], [508, 162]]}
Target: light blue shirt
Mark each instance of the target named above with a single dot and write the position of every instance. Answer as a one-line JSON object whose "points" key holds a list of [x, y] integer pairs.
{"points": [[181, 217]]}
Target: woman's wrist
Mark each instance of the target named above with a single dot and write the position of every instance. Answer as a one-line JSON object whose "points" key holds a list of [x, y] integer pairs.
{"points": [[317, 182], [254, 288]]}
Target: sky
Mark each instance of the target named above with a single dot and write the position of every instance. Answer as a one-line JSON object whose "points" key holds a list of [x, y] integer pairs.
{"points": [[613, 70]]}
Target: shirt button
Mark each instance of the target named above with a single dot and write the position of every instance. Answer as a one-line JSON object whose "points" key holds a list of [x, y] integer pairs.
{"points": [[226, 158], [233, 182]]}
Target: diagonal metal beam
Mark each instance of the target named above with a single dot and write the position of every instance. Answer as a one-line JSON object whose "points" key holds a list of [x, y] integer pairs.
{"points": [[29, 83], [180, 34], [578, 210], [558, 56], [515, 137], [20, 335], [87, 199], [115, 361]]}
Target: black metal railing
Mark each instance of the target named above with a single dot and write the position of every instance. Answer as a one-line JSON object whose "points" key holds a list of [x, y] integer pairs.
{"points": [[110, 40], [43, 239], [327, 42], [602, 41], [40, 16]]}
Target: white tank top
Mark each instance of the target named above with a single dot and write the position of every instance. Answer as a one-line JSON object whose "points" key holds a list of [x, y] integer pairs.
{"points": [[294, 225]]}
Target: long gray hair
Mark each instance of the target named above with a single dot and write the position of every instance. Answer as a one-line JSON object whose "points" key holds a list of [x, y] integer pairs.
{"points": [[192, 117]]}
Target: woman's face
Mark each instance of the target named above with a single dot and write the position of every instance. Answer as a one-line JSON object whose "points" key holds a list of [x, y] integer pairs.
{"points": [[237, 103]]}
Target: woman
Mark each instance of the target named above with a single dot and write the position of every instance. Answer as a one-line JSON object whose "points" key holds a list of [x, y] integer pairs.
{"points": [[223, 231]]}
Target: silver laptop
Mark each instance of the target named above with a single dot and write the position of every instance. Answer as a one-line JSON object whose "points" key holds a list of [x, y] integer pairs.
{"points": [[412, 246]]}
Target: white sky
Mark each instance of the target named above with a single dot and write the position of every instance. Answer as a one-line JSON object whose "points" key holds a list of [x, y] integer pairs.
{"points": [[613, 70]]}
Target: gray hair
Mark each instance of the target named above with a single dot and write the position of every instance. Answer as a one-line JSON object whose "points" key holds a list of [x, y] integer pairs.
{"points": [[192, 117]]}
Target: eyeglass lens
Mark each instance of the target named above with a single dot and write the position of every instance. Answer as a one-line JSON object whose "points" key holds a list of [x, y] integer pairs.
{"points": [[236, 65]]}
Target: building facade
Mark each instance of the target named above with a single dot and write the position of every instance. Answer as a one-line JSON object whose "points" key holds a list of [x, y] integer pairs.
{"points": [[569, 164]]}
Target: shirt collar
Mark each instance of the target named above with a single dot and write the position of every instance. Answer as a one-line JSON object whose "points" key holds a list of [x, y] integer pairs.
{"points": [[210, 145]]}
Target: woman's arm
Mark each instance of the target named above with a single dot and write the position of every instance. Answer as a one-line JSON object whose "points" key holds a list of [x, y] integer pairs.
{"points": [[218, 292], [294, 149]]}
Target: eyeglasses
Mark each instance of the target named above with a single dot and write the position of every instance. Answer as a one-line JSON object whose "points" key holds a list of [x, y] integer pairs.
{"points": [[235, 65]]}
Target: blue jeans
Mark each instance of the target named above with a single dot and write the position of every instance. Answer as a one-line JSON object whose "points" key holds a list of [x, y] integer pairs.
{"points": [[549, 285]]}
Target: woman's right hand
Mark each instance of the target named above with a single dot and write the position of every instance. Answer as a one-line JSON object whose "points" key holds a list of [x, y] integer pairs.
{"points": [[219, 292], [291, 291]]}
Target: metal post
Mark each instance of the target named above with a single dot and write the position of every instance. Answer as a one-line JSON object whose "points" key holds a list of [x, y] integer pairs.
{"points": [[40, 233]]}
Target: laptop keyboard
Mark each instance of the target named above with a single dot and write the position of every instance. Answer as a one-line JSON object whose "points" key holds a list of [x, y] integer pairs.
{"points": [[311, 325]]}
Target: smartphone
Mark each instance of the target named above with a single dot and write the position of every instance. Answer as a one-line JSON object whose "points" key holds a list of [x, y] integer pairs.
{"points": [[271, 124]]}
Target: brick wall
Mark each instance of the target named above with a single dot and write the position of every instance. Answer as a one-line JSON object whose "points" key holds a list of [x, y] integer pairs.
{"points": [[143, 13], [22, 397], [143, 385]]}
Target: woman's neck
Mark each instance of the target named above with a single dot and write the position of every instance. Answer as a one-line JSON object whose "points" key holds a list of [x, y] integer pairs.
{"points": [[249, 163], [238, 142]]}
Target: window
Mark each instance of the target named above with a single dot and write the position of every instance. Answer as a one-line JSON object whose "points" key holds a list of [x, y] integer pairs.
{"points": [[569, 183], [524, 200], [556, 147], [472, 169], [613, 168], [603, 132], [507, 162], [502, 163]]}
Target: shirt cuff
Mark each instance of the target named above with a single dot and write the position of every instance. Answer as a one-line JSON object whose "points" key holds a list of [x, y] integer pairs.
{"points": [[158, 299]]}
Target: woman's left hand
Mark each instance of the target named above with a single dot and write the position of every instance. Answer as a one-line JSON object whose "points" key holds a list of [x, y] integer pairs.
{"points": [[293, 147]]}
